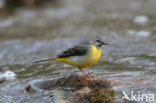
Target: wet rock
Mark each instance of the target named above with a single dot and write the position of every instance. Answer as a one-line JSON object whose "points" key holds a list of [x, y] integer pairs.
{"points": [[82, 89], [76, 82], [79, 96], [2, 81], [101, 95], [28, 89], [87, 95]]}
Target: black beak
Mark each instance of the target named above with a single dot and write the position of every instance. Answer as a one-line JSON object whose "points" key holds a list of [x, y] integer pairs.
{"points": [[104, 43]]}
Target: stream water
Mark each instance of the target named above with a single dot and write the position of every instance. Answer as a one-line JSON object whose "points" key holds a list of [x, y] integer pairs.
{"points": [[129, 26]]}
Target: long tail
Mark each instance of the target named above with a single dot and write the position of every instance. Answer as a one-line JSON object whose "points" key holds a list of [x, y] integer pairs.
{"points": [[50, 59]]}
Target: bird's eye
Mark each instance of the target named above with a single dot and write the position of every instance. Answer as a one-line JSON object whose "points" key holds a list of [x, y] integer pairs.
{"points": [[98, 40]]}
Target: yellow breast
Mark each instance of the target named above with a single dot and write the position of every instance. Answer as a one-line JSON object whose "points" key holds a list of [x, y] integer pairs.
{"points": [[94, 55], [87, 60]]}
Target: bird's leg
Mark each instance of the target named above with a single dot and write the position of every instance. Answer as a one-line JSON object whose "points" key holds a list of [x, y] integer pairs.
{"points": [[82, 72], [88, 76]]}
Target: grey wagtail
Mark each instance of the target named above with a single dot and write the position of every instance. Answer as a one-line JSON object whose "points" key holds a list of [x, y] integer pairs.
{"points": [[81, 55]]}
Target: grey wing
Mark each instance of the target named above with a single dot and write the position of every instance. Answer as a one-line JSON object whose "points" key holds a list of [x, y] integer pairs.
{"points": [[77, 50]]}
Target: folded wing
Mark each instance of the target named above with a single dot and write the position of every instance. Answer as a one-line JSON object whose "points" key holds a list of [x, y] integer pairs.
{"points": [[77, 50]]}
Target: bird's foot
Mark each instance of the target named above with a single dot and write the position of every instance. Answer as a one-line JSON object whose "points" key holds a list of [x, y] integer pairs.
{"points": [[90, 76]]}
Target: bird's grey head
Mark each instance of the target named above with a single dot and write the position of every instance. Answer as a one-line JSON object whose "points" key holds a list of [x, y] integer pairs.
{"points": [[97, 41]]}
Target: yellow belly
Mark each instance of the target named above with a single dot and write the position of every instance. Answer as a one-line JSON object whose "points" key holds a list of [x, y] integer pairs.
{"points": [[84, 61]]}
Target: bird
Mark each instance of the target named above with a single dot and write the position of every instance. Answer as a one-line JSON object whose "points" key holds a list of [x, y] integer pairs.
{"points": [[82, 55]]}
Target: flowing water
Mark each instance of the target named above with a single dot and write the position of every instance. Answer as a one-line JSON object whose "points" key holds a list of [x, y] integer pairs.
{"points": [[129, 26]]}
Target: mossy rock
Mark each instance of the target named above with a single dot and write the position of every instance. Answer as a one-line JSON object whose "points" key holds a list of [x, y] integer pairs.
{"points": [[101, 95], [76, 82]]}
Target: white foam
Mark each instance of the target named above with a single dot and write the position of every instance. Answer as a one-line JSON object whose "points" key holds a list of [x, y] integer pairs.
{"points": [[141, 20], [141, 33], [8, 75]]}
